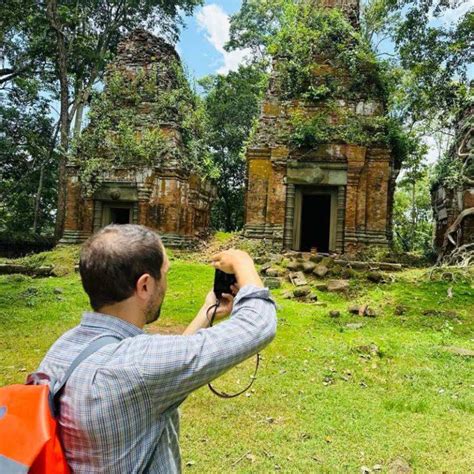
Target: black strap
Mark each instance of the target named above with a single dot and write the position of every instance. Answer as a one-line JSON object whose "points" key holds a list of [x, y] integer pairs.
{"points": [[94, 346], [257, 363]]}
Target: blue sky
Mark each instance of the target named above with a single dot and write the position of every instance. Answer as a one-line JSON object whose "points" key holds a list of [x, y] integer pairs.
{"points": [[202, 40]]}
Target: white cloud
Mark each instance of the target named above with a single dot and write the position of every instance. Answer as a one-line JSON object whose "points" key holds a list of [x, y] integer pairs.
{"points": [[215, 21], [457, 10]]}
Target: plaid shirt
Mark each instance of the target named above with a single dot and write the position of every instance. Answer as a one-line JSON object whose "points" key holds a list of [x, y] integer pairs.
{"points": [[119, 410]]}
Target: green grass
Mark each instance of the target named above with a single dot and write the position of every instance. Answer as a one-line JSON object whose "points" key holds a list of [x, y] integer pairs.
{"points": [[324, 401]]}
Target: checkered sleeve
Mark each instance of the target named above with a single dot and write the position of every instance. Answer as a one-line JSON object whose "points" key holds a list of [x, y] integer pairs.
{"points": [[174, 366]]}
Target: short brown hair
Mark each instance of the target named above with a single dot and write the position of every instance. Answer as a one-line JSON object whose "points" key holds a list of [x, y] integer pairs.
{"points": [[113, 260]]}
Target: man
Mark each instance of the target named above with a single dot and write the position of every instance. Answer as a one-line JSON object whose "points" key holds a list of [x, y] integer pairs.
{"points": [[118, 411]]}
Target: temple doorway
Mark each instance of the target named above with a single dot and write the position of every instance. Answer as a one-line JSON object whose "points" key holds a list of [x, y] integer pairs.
{"points": [[315, 220], [116, 214]]}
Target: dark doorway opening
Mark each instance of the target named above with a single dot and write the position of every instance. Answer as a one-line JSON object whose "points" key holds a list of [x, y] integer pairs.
{"points": [[315, 222], [120, 215]]}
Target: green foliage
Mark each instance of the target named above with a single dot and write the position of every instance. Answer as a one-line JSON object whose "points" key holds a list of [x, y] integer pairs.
{"points": [[339, 126], [431, 57], [448, 172], [124, 124], [26, 142], [254, 25], [310, 39], [451, 171], [412, 213], [232, 104]]}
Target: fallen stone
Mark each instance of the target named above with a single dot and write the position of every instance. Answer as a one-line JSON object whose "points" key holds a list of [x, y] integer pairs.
{"points": [[328, 262], [308, 267], [348, 273], [370, 349], [354, 325], [58, 291], [287, 295], [321, 287], [301, 291], [334, 314], [375, 277], [265, 267], [9, 269], [260, 260], [316, 258], [390, 267], [320, 271], [313, 297], [338, 285], [298, 279], [370, 313], [400, 310], [359, 265], [294, 266], [272, 283], [276, 258], [274, 272], [399, 466], [460, 351], [353, 309]]}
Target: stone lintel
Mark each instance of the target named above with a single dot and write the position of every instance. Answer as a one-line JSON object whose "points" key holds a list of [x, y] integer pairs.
{"points": [[258, 153], [331, 174], [117, 192]]}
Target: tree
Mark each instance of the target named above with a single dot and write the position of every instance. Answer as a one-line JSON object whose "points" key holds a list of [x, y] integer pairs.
{"points": [[232, 104], [28, 163], [67, 44]]}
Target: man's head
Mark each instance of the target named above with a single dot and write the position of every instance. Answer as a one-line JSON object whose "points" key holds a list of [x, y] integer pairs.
{"points": [[125, 264]]}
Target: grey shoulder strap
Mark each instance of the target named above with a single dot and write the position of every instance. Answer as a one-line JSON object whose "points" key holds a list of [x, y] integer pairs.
{"points": [[94, 346]]}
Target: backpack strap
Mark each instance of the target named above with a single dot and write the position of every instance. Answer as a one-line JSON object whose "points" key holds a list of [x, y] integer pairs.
{"points": [[94, 346]]}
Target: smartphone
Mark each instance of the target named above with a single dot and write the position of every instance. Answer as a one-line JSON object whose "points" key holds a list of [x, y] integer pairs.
{"points": [[223, 282]]}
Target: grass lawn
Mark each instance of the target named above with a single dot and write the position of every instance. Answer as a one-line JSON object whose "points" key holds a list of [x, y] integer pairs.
{"points": [[328, 398]]}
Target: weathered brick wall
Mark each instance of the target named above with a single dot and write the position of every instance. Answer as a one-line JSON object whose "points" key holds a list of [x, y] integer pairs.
{"points": [[164, 195], [363, 178]]}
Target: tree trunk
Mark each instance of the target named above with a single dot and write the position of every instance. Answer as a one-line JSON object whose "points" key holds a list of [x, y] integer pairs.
{"points": [[38, 199], [78, 119], [41, 178], [64, 122]]}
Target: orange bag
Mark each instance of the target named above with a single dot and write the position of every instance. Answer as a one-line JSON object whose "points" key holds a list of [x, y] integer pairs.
{"points": [[29, 439]]}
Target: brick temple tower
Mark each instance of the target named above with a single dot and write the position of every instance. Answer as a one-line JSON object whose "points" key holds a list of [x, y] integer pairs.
{"points": [[449, 203], [335, 197], [164, 194]]}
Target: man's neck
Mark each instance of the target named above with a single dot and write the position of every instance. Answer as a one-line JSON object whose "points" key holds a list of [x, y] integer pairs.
{"points": [[127, 311]]}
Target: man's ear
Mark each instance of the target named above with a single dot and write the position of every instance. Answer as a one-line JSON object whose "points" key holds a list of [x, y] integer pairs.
{"points": [[145, 286]]}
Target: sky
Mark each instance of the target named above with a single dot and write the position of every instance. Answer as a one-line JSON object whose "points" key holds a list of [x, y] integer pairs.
{"points": [[201, 45]]}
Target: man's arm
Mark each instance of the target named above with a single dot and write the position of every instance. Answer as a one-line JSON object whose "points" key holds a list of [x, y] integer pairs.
{"points": [[174, 366], [232, 261]]}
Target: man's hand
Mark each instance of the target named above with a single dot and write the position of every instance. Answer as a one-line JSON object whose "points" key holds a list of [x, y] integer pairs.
{"points": [[231, 260], [225, 305], [239, 263], [203, 318]]}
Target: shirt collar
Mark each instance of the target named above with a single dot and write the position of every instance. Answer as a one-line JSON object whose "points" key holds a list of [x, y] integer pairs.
{"points": [[111, 323]]}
